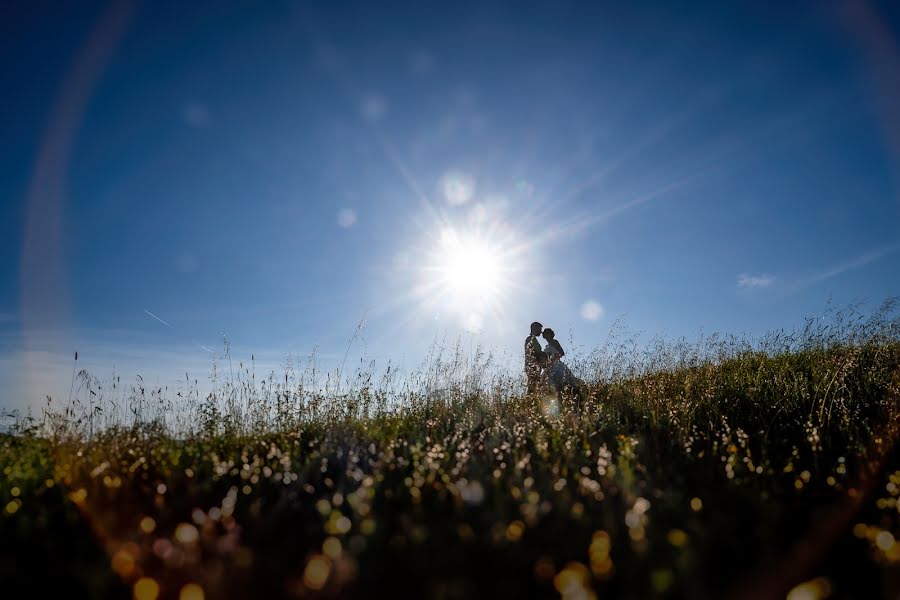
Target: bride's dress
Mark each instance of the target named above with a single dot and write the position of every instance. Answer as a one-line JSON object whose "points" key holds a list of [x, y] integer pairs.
{"points": [[559, 374]]}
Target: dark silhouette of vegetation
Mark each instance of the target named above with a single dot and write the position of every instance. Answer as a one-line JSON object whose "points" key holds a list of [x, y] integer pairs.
{"points": [[724, 466]]}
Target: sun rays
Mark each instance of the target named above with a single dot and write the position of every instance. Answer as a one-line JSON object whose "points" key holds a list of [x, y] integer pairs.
{"points": [[469, 268], [469, 273]]}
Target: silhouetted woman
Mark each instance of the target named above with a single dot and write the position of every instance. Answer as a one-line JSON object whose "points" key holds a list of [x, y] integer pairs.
{"points": [[561, 378]]}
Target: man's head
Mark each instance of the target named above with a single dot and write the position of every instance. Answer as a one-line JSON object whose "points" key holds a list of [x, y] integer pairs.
{"points": [[536, 328]]}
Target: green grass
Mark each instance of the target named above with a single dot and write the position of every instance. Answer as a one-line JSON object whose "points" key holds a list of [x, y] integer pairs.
{"points": [[720, 467]]}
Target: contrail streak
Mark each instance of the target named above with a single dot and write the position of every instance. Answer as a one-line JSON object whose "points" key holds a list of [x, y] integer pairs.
{"points": [[173, 329], [158, 319], [850, 265]]}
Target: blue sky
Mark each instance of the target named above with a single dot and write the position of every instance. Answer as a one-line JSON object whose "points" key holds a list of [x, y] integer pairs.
{"points": [[277, 171]]}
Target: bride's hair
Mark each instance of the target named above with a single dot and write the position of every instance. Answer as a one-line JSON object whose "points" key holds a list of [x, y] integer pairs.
{"points": [[550, 336]]}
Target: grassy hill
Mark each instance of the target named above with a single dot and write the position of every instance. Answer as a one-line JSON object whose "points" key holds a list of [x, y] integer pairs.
{"points": [[722, 467]]}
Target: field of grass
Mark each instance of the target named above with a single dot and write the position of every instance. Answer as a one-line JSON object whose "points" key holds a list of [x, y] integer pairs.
{"points": [[722, 467]]}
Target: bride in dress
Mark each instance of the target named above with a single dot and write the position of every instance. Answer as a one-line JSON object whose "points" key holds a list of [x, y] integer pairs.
{"points": [[561, 378]]}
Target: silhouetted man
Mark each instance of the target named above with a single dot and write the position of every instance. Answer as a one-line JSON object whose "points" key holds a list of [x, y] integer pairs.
{"points": [[534, 358]]}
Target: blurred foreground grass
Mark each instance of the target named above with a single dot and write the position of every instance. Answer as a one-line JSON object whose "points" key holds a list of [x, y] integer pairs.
{"points": [[725, 467]]}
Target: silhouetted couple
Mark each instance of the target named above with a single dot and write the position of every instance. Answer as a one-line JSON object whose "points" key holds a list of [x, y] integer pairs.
{"points": [[544, 366]]}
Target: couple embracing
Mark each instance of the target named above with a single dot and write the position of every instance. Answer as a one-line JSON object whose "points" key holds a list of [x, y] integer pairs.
{"points": [[544, 366]]}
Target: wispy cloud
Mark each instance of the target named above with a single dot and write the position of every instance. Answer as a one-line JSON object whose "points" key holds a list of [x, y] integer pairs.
{"points": [[848, 265], [748, 281]]}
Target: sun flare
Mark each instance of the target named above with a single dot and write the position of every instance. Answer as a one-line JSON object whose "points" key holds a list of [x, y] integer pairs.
{"points": [[469, 268], [468, 274]]}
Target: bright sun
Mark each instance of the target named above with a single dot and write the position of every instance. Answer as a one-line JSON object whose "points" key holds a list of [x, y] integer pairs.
{"points": [[469, 268], [468, 276]]}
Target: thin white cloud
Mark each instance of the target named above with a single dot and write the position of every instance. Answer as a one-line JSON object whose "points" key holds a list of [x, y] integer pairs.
{"points": [[848, 265], [747, 281]]}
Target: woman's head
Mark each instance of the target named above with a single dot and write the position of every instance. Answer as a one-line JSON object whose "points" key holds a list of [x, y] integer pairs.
{"points": [[548, 334]]}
